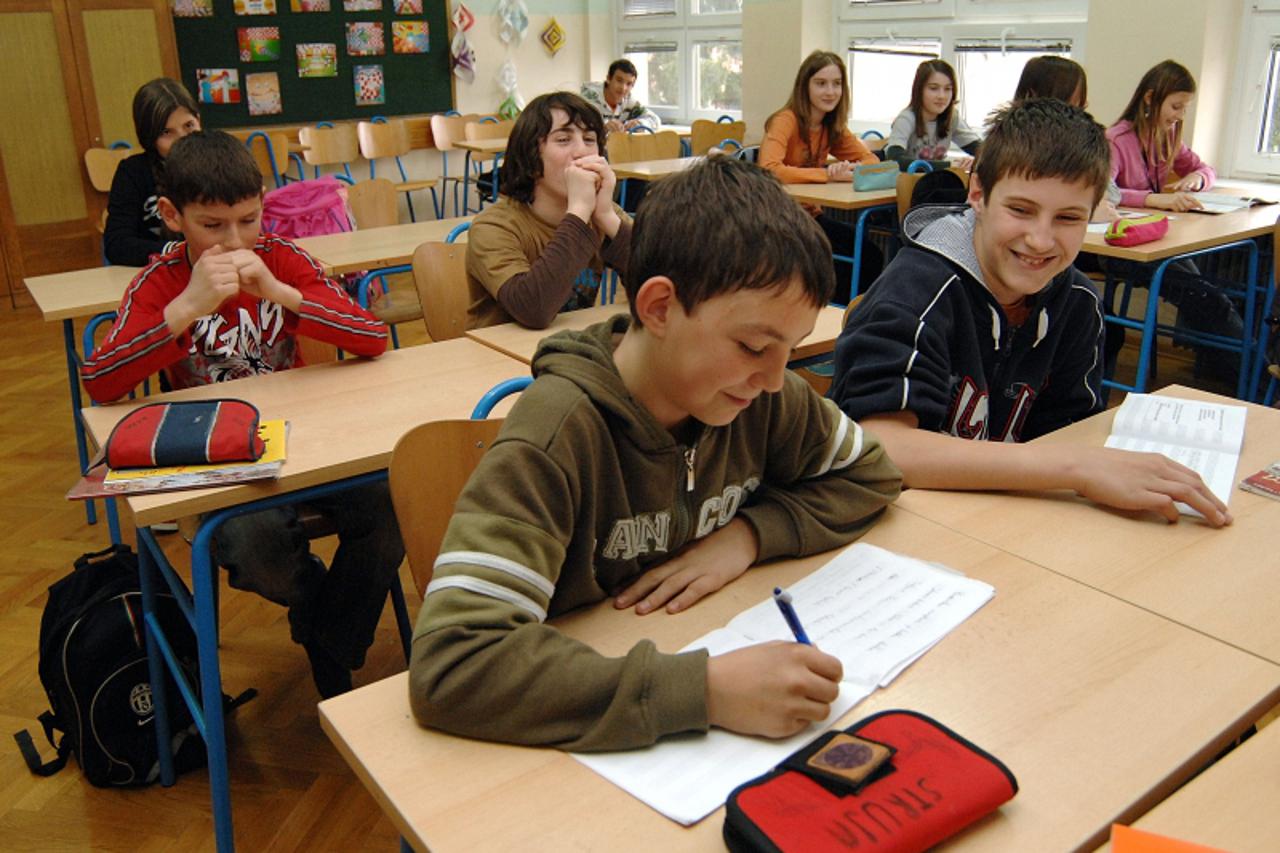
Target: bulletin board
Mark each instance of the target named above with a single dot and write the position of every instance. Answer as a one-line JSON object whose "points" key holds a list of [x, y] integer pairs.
{"points": [[358, 58]]}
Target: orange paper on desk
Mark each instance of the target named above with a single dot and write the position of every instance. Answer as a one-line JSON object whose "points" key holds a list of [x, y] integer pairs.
{"points": [[1126, 839]]}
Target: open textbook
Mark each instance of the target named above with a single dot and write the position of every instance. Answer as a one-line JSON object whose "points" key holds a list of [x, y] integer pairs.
{"points": [[874, 610], [1206, 437], [1224, 203]]}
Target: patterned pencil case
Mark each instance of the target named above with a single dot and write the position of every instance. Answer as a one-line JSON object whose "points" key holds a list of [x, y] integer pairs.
{"points": [[895, 781], [875, 176], [199, 432], [1137, 230]]}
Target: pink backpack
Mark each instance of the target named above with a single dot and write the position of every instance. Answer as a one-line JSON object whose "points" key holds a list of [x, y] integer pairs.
{"points": [[307, 208]]}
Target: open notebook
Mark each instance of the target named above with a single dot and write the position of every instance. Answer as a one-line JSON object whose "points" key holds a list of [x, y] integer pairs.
{"points": [[874, 610]]}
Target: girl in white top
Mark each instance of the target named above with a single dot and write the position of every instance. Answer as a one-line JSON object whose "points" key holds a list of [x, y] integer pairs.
{"points": [[926, 129]]}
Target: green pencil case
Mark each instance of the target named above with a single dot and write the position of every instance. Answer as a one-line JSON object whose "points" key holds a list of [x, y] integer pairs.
{"points": [[875, 176]]}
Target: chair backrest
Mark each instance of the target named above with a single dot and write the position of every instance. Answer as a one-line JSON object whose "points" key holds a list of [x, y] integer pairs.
{"points": [[446, 129], [704, 134], [750, 153], [440, 274], [101, 164], [373, 203], [389, 138], [474, 130], [266, 146], [329, 145], [633, 147], [907, 182], [429, 467]]}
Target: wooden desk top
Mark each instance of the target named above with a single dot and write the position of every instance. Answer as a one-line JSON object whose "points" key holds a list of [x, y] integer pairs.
{"points": [[345, 416], [1191, 231], [374, 248], [1222, 582], [840, 195], [482, 146], [521, 342], [1098, 708], [1232, 805], [83, 293], [648, 170]]}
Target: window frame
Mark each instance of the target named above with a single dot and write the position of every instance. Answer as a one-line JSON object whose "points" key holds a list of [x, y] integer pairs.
{"points": [[1260, 29], [668, 114]]}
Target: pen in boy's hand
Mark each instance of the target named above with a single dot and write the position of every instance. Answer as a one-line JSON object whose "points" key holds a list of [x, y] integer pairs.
{"points": [[783, 600]]}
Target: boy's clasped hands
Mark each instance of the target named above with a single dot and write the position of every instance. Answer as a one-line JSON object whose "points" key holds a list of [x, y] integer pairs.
{"points": [[589, 184], [219, 275]]}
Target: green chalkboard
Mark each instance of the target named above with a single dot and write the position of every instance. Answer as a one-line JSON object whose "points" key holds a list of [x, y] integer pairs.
{"points": [[413, 82]]}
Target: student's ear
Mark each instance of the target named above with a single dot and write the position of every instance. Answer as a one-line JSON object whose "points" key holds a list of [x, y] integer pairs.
{"points": [[977, 198], [654, 302], [169, 213]]}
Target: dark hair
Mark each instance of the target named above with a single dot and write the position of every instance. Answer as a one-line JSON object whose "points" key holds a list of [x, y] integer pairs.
{"points": [[522, 165], [623, 65], [153, 103], [1044, 138], [835, 121], [1143, 111], [210, 166], [726, 225], [924, 71], [1053, 77]]}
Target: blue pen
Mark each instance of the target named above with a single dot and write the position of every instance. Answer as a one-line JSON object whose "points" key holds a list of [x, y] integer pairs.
{"points": [[783, 600]]}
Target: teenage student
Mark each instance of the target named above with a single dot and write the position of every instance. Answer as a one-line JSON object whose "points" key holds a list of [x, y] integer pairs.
{"points": [[612, 98], [980, 334], [801, 137], [227, 303], [1149, 161], [525, 253], [929, 125], [163, 113], [656, 457]]}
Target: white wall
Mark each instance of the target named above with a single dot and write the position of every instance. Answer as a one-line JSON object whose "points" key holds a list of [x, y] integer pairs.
{"points": [[776, 36]]}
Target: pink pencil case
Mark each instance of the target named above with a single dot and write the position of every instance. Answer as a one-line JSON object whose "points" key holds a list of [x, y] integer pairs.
{"points": [[1136, 231]]}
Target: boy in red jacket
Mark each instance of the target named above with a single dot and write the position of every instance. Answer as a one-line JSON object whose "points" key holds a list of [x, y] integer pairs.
{"points": [[229, 302]]}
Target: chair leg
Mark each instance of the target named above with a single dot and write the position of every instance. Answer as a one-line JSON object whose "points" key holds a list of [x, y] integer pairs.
{"points": [[408, 197], [402, 617]]}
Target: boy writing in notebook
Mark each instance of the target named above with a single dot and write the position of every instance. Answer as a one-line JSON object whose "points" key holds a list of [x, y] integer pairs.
{"points": [[656, 457], [227, 303], [981, 335]]}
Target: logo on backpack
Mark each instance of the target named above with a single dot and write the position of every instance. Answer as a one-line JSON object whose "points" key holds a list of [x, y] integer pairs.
{"points": [[140, 700]]}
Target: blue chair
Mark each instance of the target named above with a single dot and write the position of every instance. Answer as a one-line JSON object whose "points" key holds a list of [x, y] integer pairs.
{"points": [[919, 166], [750, 153], [378, 138], [328, 144], [440, 275], [268, 162], [873, 134]]}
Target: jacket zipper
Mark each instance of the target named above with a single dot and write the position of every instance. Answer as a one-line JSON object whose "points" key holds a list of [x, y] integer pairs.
{"points": [[689, 455]]}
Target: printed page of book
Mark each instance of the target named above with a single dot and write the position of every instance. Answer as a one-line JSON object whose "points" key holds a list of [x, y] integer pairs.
{"points": [[1221, 202], [875, 610], [1206, 437]]}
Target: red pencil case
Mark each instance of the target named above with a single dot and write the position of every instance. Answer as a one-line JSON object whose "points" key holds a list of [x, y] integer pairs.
{"points": [[932, 784], [199, 432], [1137, 230]]}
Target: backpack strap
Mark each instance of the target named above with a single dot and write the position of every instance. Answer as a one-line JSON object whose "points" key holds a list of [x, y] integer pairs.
{"points": [[32, 757]]}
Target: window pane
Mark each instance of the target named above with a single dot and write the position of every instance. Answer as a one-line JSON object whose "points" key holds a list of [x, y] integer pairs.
{"points": [[716, 7], [641, 9], [880, 76], [988, 78], [657, 74], [1269, 141], [719, 75]]}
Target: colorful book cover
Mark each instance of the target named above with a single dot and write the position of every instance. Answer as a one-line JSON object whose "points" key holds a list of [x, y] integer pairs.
{"points": [[410, 36], [407, 7], [370, 85], [365, 38], [255, 7], [317, 59], [309, 5], [218, 85], [263, 91], [362, 5], [1266, 482], [259, 44], [193, 8]]}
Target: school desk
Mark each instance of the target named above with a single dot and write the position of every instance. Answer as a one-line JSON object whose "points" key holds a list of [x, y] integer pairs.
{"points": [[70, 296], [1224, 583], [376, 248], [1099, 708], [1190, 236], [1231, 805], [345, 418], [521, 342]]}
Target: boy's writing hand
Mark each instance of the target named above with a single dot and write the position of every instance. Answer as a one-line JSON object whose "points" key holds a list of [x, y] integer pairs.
{"points": [[603, 216], [697, 571], [773, 689], [1145, 481], [213, 281], [257, 280]]}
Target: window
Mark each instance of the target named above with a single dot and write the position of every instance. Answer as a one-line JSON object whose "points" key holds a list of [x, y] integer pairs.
{"points": [[657, 72], [1269, 137], [886, 9], [688, 55], [718, 75], [645, 10], [1257, 103], [873, 62], [988, 70], [717, 7]]}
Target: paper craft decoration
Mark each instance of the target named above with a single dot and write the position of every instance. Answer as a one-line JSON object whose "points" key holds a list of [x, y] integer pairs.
{"points": [[364, 38], [259, 44], [193, 8], [309, 5], [264, 93], [218, 85], [317, 59], [462, 58], [255, 7], [407, 7], [552, 37], [463, 20], [362, 5], [512, 104], [370, 85], [513, 21], [410, 37]]}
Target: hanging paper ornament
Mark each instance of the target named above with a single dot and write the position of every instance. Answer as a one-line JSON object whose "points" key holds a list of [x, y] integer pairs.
{"points": [[553, 37], [513, 21], [513, 103], [462, 58], [463, 20]]}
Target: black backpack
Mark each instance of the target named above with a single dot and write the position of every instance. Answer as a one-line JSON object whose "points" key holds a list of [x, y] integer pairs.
{"points": [[93, 665]]}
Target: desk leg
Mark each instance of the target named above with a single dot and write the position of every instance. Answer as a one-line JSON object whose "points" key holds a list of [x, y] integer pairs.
{"points": [[622, 193], [204, 579], [466, 184], [73, 383]]}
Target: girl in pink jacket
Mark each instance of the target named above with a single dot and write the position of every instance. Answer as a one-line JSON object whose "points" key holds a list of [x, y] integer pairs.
{"points": [[1149, 161]]}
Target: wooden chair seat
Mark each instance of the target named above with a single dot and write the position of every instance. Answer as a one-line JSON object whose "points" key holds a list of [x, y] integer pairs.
{"points": [[423, 184]]}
